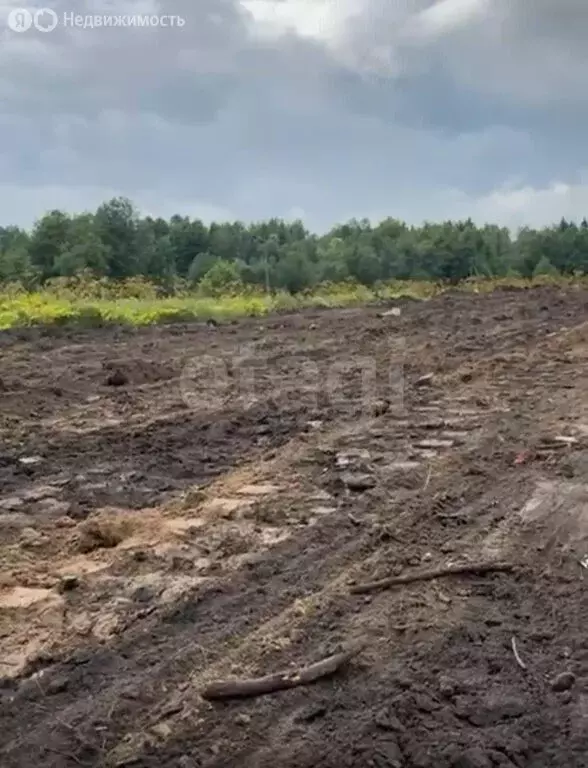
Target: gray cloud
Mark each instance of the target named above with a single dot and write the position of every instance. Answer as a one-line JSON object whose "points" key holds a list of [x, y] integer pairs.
{"points": [[334, 108]]}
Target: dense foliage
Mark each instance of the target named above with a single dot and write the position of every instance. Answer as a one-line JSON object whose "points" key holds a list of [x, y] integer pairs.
{"points": [[115, 242]]}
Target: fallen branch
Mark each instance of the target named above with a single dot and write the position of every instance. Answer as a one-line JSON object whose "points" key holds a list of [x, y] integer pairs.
{"points": [[233, 689], [391, 581], [518, 659]]}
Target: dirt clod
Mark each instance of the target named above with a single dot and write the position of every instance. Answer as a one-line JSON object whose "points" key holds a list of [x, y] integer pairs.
{"points": [[359, 482], [69, 583], [116, 379], [563, 682]]}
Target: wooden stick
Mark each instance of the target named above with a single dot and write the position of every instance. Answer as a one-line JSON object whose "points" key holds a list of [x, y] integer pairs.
{"points": [[474, 568], [233, 689]]}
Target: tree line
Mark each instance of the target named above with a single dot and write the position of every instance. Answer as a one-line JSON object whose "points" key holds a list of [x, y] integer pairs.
{"points": [[116, 242]]}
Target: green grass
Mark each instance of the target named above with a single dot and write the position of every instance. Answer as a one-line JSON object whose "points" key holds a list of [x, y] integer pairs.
{"points": [[99, 304]]}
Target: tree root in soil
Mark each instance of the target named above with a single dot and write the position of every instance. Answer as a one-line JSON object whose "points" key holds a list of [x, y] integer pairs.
{"points": [[247, 688], [391, 581]]}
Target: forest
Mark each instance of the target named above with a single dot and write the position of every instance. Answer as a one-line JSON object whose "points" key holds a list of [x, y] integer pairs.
{"points": [[117, 243]]}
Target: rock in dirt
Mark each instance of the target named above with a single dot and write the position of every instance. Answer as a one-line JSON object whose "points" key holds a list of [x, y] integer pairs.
{"points": [[388, 722], [57, 685], [357, 481], [447, 688], [472, 758], [424, 381], [491, 711], [387, 753], [380, 407], [435, 444], [352, 459], [563, 682], [117, 379], [144, 594], [29, 461], [69, 583]]}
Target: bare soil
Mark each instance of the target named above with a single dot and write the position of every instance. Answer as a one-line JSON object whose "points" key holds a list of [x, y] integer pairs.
{"points": [[185, 504]]}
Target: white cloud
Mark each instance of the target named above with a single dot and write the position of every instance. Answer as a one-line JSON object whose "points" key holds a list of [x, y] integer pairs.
{"points": [[22, 205], [535, 207], [445, 16], [511, 205], [322, 20]]}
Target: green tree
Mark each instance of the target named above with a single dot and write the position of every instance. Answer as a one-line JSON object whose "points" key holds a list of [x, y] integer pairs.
{"points": [[363, 263], [117, 228], [188, 239], [16, 266], [48, 240], [294, 270], [83, 250], [90, 256]]}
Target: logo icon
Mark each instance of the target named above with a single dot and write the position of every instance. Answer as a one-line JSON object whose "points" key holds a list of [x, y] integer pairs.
{"points": [[45, 20], [20, 20]]}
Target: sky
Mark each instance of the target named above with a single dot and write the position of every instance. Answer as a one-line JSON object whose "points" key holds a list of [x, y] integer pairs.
{"points": [[322, 110]]}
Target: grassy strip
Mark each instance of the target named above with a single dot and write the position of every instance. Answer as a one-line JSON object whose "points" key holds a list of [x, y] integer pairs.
{"points": [[67, 308]]}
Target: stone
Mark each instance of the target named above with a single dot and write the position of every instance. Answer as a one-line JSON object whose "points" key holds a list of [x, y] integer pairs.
{"points": [[494, 711], [30, 461], [57, 685], [424, 381], [433, 444], [144, 594], [563, 682], [472, 758], [69, 583], [447, 687], [388, 722], [357, 481]]}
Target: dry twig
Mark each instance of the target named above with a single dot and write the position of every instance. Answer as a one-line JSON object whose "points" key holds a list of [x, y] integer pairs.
{"points": [[426, 485], [518, 659], [391, 581]]}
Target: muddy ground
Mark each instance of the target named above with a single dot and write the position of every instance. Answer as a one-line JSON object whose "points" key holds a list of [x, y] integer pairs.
{"points": [[186, 503]]}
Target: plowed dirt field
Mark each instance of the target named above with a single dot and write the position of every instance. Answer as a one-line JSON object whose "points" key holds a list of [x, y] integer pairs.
{"points": [[184, 504]]}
